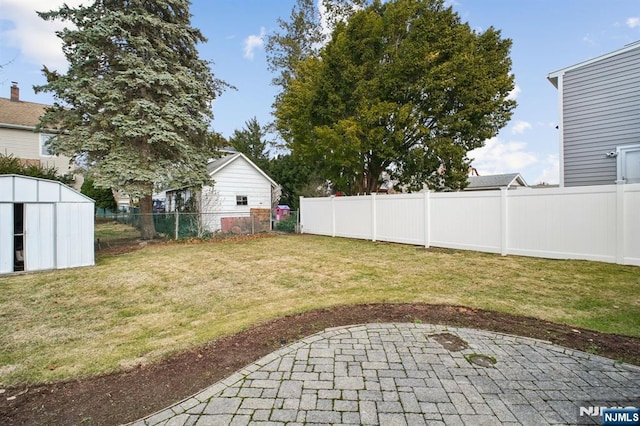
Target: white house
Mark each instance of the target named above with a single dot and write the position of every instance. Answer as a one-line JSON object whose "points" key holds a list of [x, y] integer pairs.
{"points": [[241, 190], [43, 225]]}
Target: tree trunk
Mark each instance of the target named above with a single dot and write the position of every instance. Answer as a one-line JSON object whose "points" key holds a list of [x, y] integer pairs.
{"points": [[147, 227]]}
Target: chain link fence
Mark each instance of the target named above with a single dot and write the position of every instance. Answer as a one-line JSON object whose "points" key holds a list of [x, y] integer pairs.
{"points": [[180, 225]]}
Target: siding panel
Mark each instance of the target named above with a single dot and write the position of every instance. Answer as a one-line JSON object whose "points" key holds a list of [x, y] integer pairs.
{"points": [[601, 110], [25, 144]]}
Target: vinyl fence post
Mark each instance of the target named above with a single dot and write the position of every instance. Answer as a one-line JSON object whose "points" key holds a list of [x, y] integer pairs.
{"points": [[504, 221], [427, 219], [299, 214], [177, 223], [373, 216], [620, 234], [333, 215]]}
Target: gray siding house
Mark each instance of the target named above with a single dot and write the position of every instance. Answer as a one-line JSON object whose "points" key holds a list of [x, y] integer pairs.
{"points": [[600, 119]]}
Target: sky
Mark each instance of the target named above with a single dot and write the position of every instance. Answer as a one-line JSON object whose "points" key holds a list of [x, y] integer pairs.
{"points": [[547, 35]]}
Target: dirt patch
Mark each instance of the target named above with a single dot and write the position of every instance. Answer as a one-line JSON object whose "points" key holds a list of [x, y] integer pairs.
{"points": [[449, 341], [129, 395]]}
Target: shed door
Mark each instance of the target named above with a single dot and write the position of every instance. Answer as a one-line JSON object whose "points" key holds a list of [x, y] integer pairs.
{"points": [[6, 238], [39, 237]]}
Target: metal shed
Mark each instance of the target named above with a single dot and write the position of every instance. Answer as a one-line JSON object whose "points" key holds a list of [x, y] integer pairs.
{"points": [[44, 224]]}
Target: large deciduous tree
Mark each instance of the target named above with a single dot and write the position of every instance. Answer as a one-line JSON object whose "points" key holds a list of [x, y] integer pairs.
{"points": [[403, 89], [135, 102], [307, 30]]}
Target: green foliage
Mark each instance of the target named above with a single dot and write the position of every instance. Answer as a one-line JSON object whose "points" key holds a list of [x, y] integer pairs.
{"points": [[303, 35], [404, 89], [135, 103], [295, 178], [299, 39], [288, 224], [12, 165], [249, 141], [102, 196]]}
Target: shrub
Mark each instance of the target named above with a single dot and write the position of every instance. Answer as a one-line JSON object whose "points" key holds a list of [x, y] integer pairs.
{"points": [[288, 224]]}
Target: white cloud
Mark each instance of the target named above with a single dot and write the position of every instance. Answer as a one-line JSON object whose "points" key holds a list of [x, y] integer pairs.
{"points": [[328, 22], [31, 35], [514, 93], [551, 172], [520, 127], [497, 157], [324, 20], [633, 22], [253, 42]]}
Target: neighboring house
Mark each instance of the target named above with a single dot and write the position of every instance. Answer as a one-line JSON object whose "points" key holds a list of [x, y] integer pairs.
{"points": [[600, 119], [18, 120], [507, 181], [241, 189]]}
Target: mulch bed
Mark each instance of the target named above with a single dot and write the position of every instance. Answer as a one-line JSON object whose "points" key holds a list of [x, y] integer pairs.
{"points": [[129, 395]]}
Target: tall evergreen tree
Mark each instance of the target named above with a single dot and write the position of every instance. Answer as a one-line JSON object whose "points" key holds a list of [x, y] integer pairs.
{"points": [[102, 196], [295, 179], [250, 141], [135, 103]]}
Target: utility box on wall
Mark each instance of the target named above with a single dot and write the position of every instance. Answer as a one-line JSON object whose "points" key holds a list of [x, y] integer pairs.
{"points": [[44, 225]]}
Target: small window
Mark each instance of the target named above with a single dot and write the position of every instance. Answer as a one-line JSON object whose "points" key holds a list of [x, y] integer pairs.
{"points": [[45, 151], [241, 200]]}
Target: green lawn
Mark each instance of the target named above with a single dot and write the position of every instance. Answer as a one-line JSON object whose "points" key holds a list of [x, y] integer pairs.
{"points": [[107, 231], [138, 307]]}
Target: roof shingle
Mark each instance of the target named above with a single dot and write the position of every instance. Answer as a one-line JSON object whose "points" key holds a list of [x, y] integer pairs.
{"points": [[20, 113]]}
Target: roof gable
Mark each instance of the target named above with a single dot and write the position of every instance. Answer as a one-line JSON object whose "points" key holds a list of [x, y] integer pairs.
{"points": [[20, 113], [495, 181], [219, 164], [553, 76]]}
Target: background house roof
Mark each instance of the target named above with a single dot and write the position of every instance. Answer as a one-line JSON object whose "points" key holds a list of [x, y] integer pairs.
{"points": [[20, 113], [553, 76], [495, 181]]}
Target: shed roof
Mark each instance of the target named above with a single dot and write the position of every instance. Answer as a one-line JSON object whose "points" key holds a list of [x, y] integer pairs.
{"points": [[26, 189], [553, 76], [508, 180], [20, 113]]}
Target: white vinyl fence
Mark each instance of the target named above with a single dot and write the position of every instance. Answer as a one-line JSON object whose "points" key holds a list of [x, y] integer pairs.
{"points": [[594, 223]]}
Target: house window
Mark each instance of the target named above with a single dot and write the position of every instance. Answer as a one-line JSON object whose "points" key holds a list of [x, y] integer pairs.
{"points": [[241, 200], [45, 151], [629, 163]]}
